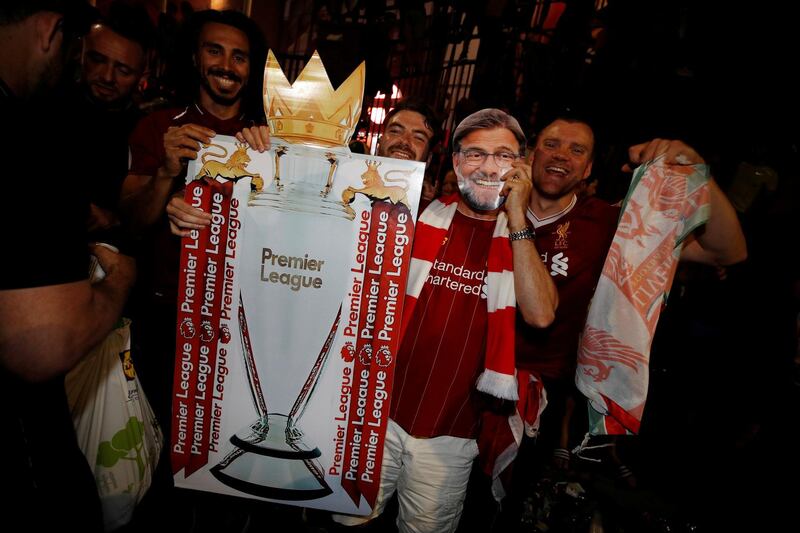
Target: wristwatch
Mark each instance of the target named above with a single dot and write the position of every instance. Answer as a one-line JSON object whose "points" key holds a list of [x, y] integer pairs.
{"points": [[525, 233]]}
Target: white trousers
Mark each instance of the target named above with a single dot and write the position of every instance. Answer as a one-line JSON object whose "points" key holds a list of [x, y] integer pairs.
{"points": [[430, 477]]}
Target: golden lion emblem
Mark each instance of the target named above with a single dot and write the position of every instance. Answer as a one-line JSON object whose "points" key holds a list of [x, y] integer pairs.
{"points": [[375, 187], [234, 169], [563, 230]]}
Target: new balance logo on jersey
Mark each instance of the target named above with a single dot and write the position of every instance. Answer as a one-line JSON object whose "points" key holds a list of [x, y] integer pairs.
{"points": [[559, 264]]}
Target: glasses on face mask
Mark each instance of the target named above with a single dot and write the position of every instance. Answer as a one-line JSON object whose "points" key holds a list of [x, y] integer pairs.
{"points": [[475, 157]]}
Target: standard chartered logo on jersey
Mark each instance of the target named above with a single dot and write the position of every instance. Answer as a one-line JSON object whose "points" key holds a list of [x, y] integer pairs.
{"points": [[457, 278]]}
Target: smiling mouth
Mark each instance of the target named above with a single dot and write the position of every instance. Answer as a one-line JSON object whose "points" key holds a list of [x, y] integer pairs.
{"points": [[225, 83], [489, 184], [557, 170], [401, 154]]}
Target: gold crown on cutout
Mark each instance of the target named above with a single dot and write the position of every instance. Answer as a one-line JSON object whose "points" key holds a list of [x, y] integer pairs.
{"points": [[310, 111]]}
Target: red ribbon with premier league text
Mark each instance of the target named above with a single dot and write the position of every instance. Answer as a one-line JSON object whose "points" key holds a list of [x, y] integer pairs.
{"points": [[399, 234], [361, 364], [380, 313], [199, 295]]}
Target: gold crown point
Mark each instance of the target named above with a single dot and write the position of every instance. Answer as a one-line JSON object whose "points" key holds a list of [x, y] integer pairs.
{"points": [[310, 111]]}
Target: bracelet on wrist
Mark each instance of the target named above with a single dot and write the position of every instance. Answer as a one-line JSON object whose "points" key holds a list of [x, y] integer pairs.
{"points": [[525, 233]]}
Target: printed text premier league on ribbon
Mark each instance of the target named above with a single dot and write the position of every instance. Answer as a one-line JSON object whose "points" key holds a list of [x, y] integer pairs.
{"points": [[357, 295], [206, 309], [370, 331]]}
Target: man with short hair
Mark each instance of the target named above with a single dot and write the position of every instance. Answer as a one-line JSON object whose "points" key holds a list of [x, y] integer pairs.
{"points": [[473, 262], [224, 51], [412, 130], [573, 235], [50, 314], [114, 57], [113, 65]]}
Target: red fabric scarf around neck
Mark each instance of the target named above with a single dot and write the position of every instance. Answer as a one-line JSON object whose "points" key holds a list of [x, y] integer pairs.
{"points": [[498, 377]]}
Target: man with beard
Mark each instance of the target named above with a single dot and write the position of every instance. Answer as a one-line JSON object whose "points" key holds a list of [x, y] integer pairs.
{"points": [[474, 258], [113, 64], [50, 315], [411, 131], [225, 46], [573, 235]]}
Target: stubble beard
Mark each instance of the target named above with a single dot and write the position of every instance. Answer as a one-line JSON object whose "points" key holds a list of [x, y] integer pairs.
{"points": [[558, 194], [221, 99], [467, 190]]}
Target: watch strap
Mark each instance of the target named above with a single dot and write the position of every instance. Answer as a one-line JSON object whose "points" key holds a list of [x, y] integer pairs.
{"points": [[525, 233]]}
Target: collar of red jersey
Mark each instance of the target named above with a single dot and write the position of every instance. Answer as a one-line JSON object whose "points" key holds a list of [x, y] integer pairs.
{"points": [[539, 222], [203, 111]]}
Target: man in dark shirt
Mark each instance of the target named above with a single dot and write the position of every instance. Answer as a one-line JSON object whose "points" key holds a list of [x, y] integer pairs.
{"points": [[113, 64], [50, 315], [573, 235]]}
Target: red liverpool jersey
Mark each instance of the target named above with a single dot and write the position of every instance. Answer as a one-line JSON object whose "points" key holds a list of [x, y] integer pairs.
{"points": [[573, 249], [442, 352]]}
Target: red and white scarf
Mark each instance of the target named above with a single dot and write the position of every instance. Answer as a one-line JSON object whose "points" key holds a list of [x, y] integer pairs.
{"points": [[665, 203], [501, 435], [498, 377]]}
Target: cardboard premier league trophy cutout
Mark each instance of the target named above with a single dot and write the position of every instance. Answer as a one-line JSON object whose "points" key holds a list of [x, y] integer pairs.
{"points": [[290, 304]]}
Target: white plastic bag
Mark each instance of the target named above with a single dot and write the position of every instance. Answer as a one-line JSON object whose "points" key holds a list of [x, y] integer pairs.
{"points": [[115, 424]]}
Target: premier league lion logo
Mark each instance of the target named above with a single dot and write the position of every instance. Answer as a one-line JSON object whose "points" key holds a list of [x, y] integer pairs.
{"points": [[187, 329], [348, 352]]}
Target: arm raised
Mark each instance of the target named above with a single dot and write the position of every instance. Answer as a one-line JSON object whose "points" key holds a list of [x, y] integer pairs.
{"points": [[720, 241]]}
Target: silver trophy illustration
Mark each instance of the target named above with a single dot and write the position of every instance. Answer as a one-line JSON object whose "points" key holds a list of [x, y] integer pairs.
{"points": [[272, 460], [310, 186], [284, 354], [272, 457]]}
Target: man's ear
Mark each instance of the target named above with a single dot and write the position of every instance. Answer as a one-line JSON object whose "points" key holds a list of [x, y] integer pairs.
{"points": [[49, 32], [141, 85], [588, 171]]}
